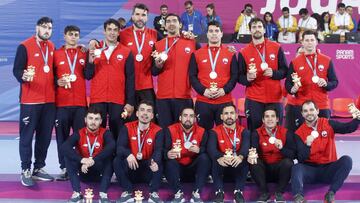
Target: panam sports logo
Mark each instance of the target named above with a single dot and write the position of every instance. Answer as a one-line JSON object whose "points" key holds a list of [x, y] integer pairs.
{"points": [[345, 54]]}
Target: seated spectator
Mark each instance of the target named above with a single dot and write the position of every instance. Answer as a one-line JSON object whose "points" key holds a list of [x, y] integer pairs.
{"points": [[341, 22], [271, 28], [349, 10], [324, 26], [287, 26], [306, 22], [211, 16], [242, 22]]}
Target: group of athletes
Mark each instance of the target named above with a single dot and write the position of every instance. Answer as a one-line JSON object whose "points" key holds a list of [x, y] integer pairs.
{"points": [[159, 133]]}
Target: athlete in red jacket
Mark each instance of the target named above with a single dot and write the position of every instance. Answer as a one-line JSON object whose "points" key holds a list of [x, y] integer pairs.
{"points": [[276, 148], [317, 77], [71, 68], [185, 155], [141, 40], [88, 155], [213, 74], [316, 153], [172, 67], [139, 154], [262, 65], [112, 87], [33, 68]]}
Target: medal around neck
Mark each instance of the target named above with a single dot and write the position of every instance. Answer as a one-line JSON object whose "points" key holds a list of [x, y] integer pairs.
{"points": [[213, 75], [315, 79], [46, 69], [264, 66], [315, 134], [139, 57], [272, 140]]}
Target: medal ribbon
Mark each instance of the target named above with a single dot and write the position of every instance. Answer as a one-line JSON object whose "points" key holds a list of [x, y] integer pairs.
{"points": [[91, 148], [46, 55], [311, 66], [72, 64], [139, 48], [233, 142], [213, 62]]}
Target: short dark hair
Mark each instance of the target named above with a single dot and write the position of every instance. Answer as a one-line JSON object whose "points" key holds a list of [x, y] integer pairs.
{"points": [[44, 20], [214, 23], [308, 32], [256, 20], [93, 110], [270, 108], [303, 11], [270, 14], [146, 102], [183, 109], [71, 28], [340, 5], [309, 102], [348, 7], [111, 21], [140, 6], [285, 9], [228, 105], [188, 2], [163, 6], [172, 14], [247, 5]]}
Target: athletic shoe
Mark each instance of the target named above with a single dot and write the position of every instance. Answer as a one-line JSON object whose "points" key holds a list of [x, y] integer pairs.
{"points": [[264, 197], [298, 198], [219, 197], [330, 197], [41, 174], [63, 176], [154, 198], [238, 196], [195, 197], [26, 179], [179, 197], [103, 198], [279, 198], [125, 197], [76, 197]]}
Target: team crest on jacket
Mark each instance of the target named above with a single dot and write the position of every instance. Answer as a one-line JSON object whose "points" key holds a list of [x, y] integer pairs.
{"points": [[133, 138], [237, 140], [149, 141], [204, 61], [52, 53], [321, 67], [119, 57], [85, 145], [222, 141], [97, 145], [301, 68], [187, 50], [252, 59], [62, 63], [194, 142], [264, 143], [36, 55], [82, 61], [130, 43], [225, 60], [272, 56], [324, 133], [151, 43]]}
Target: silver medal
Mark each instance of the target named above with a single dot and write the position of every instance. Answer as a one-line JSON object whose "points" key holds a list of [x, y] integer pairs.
{"points": [[139, 57], [46, 69], [163, 56], [187, 145], [213, 75], [264, 66], [272, 140], [315, 79], [139, 156], [72, 77], [97, 52], [315, 133]]}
